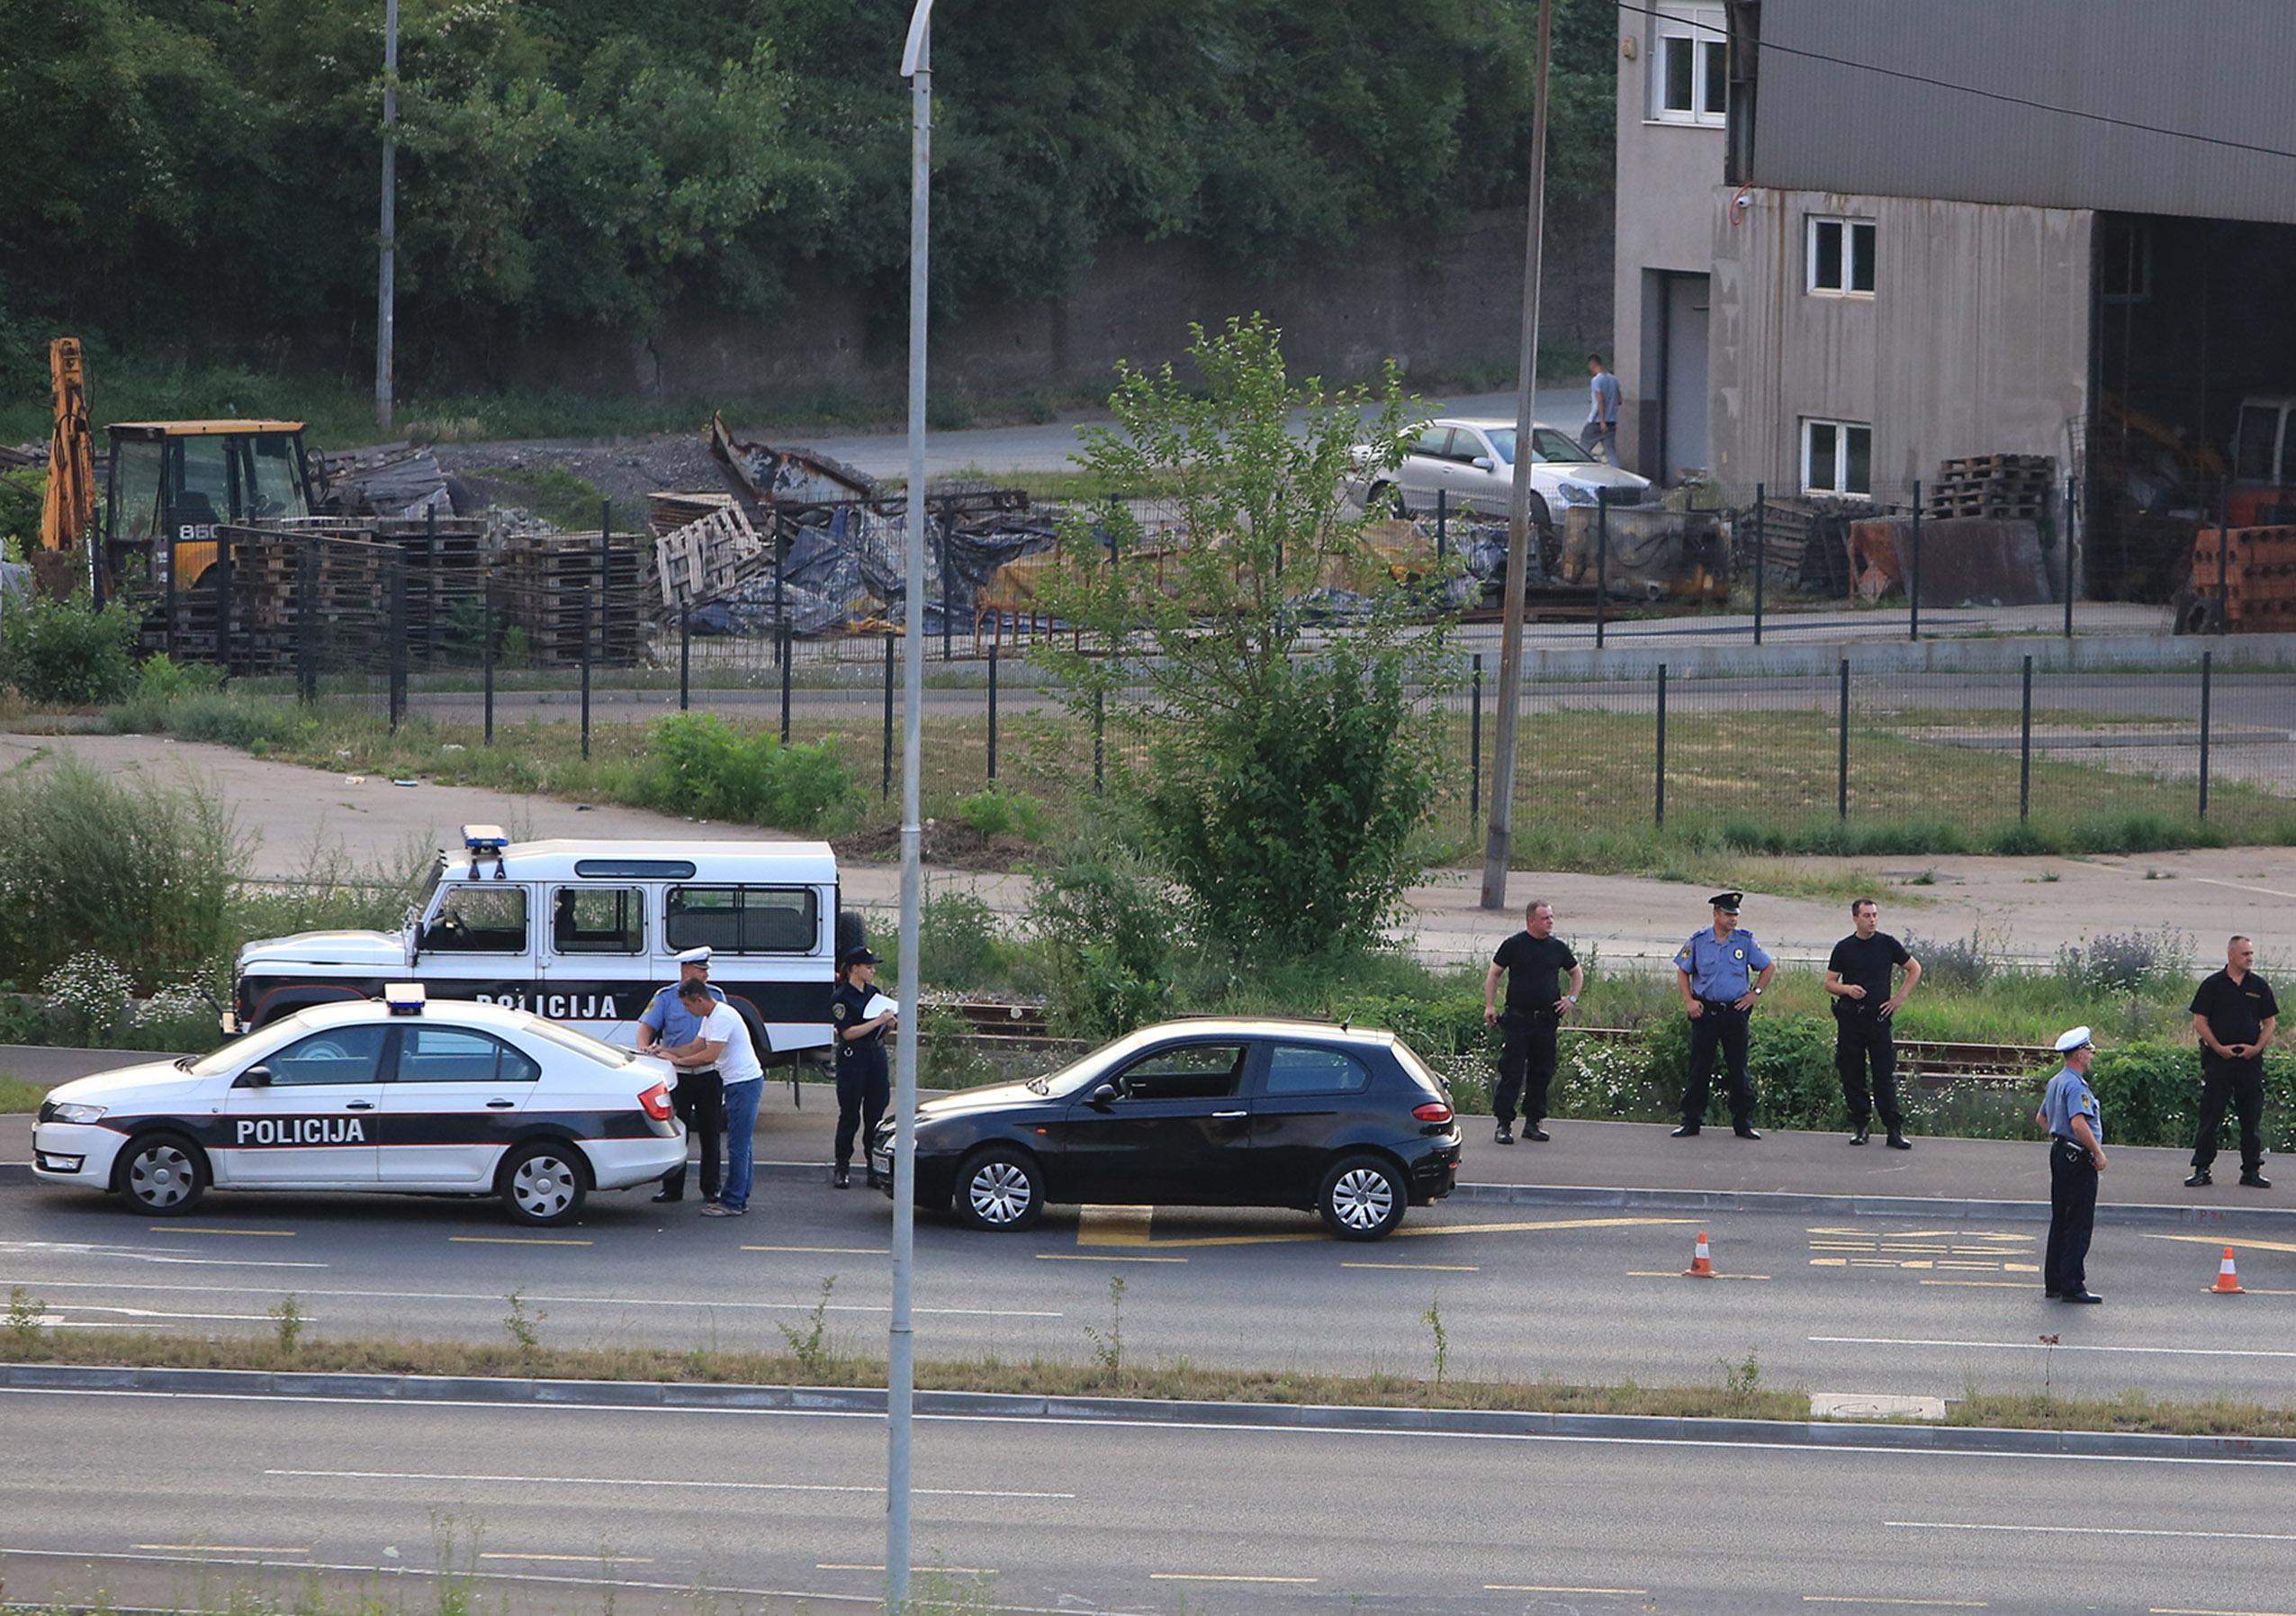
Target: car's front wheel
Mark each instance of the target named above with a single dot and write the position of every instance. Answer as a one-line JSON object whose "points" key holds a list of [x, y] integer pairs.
{"points": [[545, 1184], [1383, 499], [161, 1174], [1364, 1198], [1001, 1188]]}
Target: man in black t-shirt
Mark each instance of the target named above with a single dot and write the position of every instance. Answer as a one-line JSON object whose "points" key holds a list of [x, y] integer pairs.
{"points": [[1858, 976], [2236, 1016], [1533, 961]]}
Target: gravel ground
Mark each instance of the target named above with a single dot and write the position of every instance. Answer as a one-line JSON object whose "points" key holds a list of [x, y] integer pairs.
{"points": [[624, 470]]}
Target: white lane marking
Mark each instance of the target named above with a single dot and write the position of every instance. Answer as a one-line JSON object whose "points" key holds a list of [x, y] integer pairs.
{"points": [[1802, 1449], [2210, 880], [1548, 1588], [155, 1312], [2039, 1346], [2088, 1531], [579, 1559], [1863, 1599], [1215, 1576], [299, 1291], [160, 1256], [955, 1570], [644, 1481], [218, 1549]]}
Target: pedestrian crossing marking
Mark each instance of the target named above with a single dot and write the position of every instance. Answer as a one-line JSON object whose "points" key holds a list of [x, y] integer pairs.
{"points": [[1979, 1250]]}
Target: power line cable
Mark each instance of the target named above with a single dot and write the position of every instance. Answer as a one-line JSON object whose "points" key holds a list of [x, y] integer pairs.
{"points": [[1964, 89]]}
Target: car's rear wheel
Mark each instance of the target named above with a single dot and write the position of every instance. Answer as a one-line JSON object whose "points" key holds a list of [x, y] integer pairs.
{"points": [[1362, 1197], [545, 1183], [1000, 1190], [162, 1174]]}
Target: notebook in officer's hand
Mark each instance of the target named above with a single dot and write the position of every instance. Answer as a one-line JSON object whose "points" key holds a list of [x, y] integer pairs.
{"points": [[878, 1005]]}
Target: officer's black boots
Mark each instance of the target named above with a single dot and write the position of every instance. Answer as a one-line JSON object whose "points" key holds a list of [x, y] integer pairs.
{"points": [[1687, 1131], [1860, 1136], [1505, 1135], [2201, 1176], [1898, 1142], [2256, 1181], [842, 1178], [1744, 1131], [1536, 1134]]}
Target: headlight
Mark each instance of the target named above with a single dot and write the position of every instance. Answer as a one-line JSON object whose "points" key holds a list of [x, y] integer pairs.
{"points": [[1575, 493], [68, 1112]]}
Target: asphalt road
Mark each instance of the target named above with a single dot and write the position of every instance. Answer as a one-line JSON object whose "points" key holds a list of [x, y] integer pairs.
{"points": [[645, 1509], [1826, 1303]]}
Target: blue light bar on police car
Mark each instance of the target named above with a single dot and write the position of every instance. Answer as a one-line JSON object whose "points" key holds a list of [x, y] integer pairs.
{"points": [[405, 998]]}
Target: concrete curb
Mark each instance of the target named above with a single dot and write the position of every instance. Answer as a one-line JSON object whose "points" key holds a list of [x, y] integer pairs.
{"points": [[1266, 1416], [2141, 1213]]}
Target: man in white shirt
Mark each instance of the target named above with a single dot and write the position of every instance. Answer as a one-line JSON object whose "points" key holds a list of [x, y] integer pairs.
{"points": [[724, 1042]]}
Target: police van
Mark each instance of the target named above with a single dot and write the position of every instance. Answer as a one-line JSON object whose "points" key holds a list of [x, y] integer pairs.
{"points": [[584, 933]]}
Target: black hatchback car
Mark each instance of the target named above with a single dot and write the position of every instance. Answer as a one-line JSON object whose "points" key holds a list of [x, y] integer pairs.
{"points": [[1207, 1113]]}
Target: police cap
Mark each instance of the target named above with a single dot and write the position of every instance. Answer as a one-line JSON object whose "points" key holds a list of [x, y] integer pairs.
{"points": [[861, 956], [694, 956], [1727, 902], [2078, 1038]]}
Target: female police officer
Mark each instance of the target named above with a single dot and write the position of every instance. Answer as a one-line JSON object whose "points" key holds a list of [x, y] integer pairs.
{"points": [[862, 1081]]}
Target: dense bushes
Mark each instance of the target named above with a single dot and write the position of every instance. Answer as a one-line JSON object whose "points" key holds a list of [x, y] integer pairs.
{"points": [[67, 653], [704, 767]]}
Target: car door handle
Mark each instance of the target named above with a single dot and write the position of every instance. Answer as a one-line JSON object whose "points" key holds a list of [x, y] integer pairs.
{"points": [[360, 1105], [500, 1105], [1229, 1116]]}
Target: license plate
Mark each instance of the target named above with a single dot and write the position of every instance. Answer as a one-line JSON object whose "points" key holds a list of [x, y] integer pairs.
{"points": [[882, 1160]]}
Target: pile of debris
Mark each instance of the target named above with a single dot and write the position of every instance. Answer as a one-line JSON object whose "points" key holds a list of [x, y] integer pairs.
{"points": [[393, 480]]}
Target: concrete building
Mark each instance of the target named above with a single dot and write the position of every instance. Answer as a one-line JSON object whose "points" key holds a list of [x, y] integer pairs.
{"points": [[1932, 229]]}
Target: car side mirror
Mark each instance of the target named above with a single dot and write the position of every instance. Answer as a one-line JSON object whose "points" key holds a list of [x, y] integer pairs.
{"points": [[1102, 1097], [1483, 463], [255, 1077]]}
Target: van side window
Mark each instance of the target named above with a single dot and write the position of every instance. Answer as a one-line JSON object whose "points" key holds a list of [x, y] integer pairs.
{"points": [[598, 920], [486, 917], [742, 920]]}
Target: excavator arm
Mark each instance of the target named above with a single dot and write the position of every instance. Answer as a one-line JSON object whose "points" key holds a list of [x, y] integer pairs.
{"points": [[69, 509]]}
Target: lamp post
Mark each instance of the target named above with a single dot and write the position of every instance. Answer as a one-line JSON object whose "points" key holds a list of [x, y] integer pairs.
{"points": [[386, 276], [900, 1382]]}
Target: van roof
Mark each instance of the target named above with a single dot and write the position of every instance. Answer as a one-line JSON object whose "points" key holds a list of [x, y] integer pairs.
{"points": [[809, 862]]}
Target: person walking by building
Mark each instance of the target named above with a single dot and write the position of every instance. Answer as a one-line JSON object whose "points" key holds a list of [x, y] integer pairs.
{"points": [[2075, 1128], [863, 1081], [699, 1098], [1715, 971], [2236, 1016], [1858, 975], [723, 1045], [1602, 412], [1533, 961]]}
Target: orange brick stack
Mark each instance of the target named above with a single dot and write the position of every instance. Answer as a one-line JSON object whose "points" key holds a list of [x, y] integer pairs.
{"points": [[2258, 574]]}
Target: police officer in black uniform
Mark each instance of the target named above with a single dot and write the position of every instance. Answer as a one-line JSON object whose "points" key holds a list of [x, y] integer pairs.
{"points": [[863, 1080]]}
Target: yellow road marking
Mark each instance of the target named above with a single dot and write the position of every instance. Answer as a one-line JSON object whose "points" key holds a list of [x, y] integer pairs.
{"points": [[204, 1229], [1092, 1232], [1545, 1588], [579, 1559], [1419, 1267], [2182, 1610], [2219, 1240], [829, 1250], [1677, 1274], [2004, 1285], [1214, 1576], [1085, 1257], [1829, 1262], [1565, 1222], [511, 1240], [217, 1548], [1115, 1226]]}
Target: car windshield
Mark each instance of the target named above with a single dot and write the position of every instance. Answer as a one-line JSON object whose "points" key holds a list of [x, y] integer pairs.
{"points": [[581, 1044], [1547, 444], [240, 1051], [1074, 1076]]}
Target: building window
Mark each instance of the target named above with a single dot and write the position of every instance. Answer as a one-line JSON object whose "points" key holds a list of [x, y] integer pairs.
{"points": [[2125, 261], [1838, 458], [1689, 65], [1841, 258]]}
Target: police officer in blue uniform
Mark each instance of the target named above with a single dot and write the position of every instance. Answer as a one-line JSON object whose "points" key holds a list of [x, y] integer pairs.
{"points": [[1715, 971], [2075, 1128], [864, 1082], [699, 1098]]}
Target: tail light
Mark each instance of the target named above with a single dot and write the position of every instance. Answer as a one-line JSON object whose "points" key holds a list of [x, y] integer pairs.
{"points": [[1433, 1111], [656, 1102]]}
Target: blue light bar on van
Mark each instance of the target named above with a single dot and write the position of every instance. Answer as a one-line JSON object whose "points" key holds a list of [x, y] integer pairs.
{"points": [[486, 841]]}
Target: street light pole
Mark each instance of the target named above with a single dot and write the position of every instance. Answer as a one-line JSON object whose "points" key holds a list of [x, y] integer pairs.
{"points": [[1497, 844], [386, 286], [900, 1383]]}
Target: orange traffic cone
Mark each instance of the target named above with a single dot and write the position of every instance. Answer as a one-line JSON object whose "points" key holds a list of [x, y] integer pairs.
{"points": [[2227, 1282], [1701, 1260]]}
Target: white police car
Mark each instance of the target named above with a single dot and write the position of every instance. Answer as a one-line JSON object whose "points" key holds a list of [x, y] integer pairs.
{"points": [[397, 1096]]}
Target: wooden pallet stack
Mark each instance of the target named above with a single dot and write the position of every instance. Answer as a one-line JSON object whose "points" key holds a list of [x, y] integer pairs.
{"points": [[2007, 487], [2256, 573], [706, 560], [349, 578], [447, 578], [545, 582], [668, 510]]}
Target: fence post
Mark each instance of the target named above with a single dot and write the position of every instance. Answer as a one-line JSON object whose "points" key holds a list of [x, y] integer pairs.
{"points": [[2207, 659], [685, 657], [486, 654], [782, 639], [1099, 739], [223, 604], [2072, 531], [167, 604], [885, 789], [1475, 741], [1602, 565], [1913, 574], [946, 653], [1661, 745], [2223, 556], [604, 570], [1842, 765], [991, 715], [587, 606], [1442, 521], [397, 655], [1762, 557], [307, 618], [2025, 748]]}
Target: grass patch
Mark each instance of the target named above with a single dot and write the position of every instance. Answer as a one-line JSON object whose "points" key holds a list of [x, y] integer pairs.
{"points": [[16, 1096]]}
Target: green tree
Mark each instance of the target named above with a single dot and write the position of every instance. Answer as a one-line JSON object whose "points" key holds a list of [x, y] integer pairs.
{"points": [[1284, 773]]}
